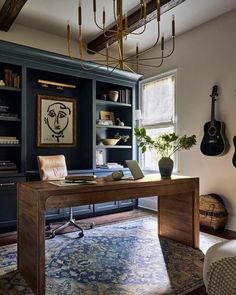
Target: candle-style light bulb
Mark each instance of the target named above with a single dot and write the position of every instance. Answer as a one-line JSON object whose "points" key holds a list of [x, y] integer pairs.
{"points": [[158, 10], [80, 14], [144, 9], [162, 42], [173, 25], [94, 6], [103, 17]]}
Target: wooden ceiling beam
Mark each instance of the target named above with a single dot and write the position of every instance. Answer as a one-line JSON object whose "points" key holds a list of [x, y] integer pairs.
{"points": [[9, 12], [134, 22]]}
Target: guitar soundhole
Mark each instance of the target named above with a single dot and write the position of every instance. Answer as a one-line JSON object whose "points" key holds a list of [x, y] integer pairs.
{"points": [[212, 131]]}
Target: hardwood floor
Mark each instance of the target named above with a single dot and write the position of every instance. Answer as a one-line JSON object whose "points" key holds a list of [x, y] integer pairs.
{"points": [[9, 238]]}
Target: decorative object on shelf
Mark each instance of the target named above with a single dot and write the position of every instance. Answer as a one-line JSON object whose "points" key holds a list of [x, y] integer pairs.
{"points": [[103, 96], [2, 84], [99, 158], [214, 142], [121, 137], [166, 145], [115, 140], [113, 95], [213, 214], [56, 121], [124, 25], [107, 116], [60, 86], [105, 122], [110, 141], [120, 123]]}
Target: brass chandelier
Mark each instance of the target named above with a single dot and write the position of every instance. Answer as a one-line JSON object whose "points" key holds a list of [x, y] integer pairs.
{"points": [[121, 31]]}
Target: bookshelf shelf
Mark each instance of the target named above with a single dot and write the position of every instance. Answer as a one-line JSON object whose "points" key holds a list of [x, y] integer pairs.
{"points": [[111, 103], [114, 127], [9, 145], [13, 89], [113, 146]]}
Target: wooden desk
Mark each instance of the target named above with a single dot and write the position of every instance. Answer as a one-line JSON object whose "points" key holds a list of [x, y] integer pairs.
{"points": [[178, 215]]}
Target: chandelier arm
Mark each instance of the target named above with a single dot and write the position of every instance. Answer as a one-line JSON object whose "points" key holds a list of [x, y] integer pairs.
{"points": [[159, 57], [152, 66], [102, 54], [149, 48]]}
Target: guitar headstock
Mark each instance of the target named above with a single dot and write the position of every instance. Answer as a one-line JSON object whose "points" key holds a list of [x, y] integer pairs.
{"points": [[214, 92]]}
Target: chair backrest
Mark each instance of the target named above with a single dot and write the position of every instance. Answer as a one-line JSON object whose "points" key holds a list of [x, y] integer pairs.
{"points": [[52, 167]]}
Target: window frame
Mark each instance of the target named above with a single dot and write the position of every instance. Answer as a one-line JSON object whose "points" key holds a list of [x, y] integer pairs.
{"points": [[173, 123]]}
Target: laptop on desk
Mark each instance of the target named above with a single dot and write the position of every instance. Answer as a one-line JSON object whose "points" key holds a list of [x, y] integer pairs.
{"points": [[135, 170]]}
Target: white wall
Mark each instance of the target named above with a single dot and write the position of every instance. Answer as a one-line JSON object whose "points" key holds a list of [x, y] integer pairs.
{"points": [[203, 57]]}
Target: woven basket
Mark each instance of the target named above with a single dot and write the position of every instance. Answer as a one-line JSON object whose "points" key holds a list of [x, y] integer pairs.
{"points": [[213, 214]]}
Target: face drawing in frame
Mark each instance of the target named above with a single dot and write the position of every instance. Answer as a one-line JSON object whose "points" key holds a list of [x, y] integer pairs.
{"points": [[56, 121], [57, 118]]}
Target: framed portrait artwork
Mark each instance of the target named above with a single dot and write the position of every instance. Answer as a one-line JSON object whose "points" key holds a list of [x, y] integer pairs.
{"points": [[56, 121]]}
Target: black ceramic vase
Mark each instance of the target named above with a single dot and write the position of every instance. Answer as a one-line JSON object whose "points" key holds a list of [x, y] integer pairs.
{"points": [[166, 165]]}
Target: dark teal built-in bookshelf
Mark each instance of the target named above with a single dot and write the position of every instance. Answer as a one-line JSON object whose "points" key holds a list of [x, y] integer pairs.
{"points": [[19, 120]]}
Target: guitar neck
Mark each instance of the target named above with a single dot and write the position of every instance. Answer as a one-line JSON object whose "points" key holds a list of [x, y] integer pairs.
{"points": [[212, 110]]}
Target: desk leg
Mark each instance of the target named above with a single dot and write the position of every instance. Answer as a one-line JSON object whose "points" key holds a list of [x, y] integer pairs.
{"points": [[31, 241], [178, 218]]}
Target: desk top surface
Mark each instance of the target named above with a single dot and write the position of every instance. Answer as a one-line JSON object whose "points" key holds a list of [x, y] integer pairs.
{"points": [[101, 184]]}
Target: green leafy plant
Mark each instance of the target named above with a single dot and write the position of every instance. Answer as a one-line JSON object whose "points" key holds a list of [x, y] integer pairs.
{"points": [[166, 145]]}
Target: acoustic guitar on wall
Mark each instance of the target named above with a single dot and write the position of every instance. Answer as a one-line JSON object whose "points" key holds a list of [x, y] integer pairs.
{"points": [[214, 142]]}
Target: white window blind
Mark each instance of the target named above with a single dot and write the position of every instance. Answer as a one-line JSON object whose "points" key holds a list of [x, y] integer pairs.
{"points": [[158, 112], [158, 101]]}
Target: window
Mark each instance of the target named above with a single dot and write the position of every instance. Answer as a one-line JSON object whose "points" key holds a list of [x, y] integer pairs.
{"points": [[157, 103]]}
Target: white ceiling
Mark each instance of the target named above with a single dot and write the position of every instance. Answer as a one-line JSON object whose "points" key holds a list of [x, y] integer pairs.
{"points": [[51, 16]]}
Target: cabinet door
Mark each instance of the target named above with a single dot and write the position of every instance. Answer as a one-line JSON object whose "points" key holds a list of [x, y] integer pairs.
{"points": [[8, 201], [54, 214], [80, 210], [127, 203], [106, 206]]}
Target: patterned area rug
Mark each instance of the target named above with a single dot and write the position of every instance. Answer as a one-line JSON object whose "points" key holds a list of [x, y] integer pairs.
{"points": [[126, 258]]}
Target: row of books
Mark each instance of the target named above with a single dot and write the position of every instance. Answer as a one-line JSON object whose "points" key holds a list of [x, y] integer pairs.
{"points": [[125, 96], [11, 79], [9, 140], [110, 166], [7, 166]]}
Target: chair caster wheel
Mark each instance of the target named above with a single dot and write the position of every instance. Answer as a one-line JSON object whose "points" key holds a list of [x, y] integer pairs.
{"points": [[92, 225], [81, 234], [52, 235]]}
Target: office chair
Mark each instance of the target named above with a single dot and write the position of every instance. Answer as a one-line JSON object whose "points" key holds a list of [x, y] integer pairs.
{"points": [[54, 168]]}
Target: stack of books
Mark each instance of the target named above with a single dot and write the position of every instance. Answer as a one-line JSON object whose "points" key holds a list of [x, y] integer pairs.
{"points": [[12, 79], [8, 166], [111, 166], [9, 140], [4, 112]]}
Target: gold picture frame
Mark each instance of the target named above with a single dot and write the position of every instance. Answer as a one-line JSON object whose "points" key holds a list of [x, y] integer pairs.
{"points": [[107, 116], [56, 121]]}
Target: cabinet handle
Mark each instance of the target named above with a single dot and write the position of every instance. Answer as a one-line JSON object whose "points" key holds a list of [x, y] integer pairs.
{"points": [[7, 183]]}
